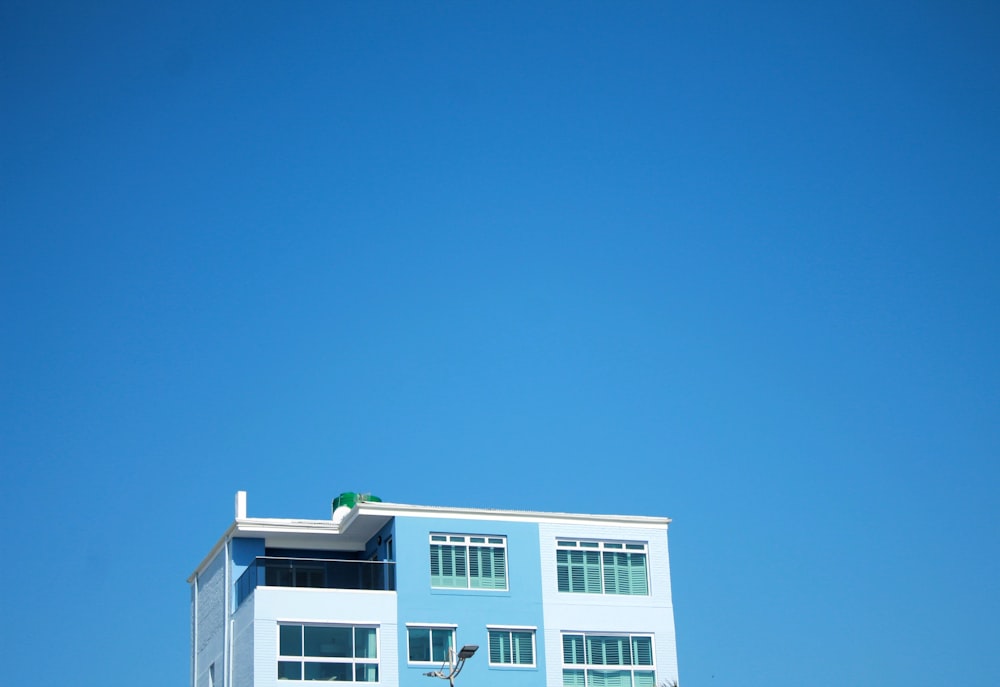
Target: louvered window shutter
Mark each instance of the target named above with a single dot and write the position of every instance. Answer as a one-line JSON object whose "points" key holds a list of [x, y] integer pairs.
{"points": [[448, 566], [610, 678], [499, 568], [523, 650], [642, 651], [461, 565], [436, 576], [499, 647], [638, 577], [481, 568], [592, 563], [578, 572], [562, 571], [573, 649], [645, 678]]}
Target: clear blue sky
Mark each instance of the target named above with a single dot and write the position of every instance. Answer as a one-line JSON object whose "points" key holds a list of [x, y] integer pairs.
{"points": [[732, 263]]}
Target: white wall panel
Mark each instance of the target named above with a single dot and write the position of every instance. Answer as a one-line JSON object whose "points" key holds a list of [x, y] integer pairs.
{"points": [[566, 612], [275, 604], [243, 645]]}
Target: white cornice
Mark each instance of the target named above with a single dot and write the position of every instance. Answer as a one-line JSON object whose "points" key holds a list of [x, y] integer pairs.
{"points": [[273, 525], [403, 510], [212, 553]]}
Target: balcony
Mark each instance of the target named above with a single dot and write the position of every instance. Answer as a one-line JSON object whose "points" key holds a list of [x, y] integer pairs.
{"points": [[315, 573]]}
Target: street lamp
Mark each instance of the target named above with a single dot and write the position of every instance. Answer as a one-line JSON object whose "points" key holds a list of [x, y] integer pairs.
{"points": [[450, 670]]}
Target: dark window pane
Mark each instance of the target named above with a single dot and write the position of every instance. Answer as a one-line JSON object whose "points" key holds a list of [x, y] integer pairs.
{"points": [[288, 670], [365, 672], [329, 641], [441, 643], [420, 644], [365, 645], [290, 637], [328, 671]]}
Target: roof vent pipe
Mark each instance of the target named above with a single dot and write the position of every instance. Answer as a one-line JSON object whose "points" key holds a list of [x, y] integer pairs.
{"points": [[241, 505]]}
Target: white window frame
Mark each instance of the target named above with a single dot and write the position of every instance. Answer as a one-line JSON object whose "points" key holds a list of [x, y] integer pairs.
{"points": [[602, 546], [587, 666], [429, 626], [510, 629], [352, 661], [468, 541]]}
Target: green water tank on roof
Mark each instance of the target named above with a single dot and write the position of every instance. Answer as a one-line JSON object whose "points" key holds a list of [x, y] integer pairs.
{"points": [[349, 499]]}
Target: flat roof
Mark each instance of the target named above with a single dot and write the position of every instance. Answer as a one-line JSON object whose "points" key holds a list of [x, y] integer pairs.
{"points": [[366, 518]]}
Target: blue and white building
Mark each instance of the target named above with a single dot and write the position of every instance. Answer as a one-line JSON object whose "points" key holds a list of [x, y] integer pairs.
{"points": [[383, 592]]}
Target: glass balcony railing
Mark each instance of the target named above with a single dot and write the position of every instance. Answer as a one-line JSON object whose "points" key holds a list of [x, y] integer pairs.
{"points": [[268, 571]]}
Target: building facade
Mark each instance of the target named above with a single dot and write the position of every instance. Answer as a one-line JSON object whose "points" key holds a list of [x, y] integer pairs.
{"points": [[385, 593]]}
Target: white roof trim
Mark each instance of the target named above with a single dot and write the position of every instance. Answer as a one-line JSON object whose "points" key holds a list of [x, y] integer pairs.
{"points": [[272, 525], [212, 553], [400, 509], [374, 624]]}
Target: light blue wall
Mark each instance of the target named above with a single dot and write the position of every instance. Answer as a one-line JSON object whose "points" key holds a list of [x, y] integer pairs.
{"points": [[244, 551], [470, 610]]}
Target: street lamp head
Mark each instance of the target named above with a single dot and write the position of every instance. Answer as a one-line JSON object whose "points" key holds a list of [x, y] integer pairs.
{"points": [[454, 664]]}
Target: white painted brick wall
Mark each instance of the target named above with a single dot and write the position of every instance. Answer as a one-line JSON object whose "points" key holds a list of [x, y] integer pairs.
{"points": [[211, 620], [243, 645], [192, 656]]}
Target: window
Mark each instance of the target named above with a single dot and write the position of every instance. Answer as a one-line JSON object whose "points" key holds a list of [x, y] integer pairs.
{"points": [[327, 652], [460, 561], [592, 567], [512, 647], [429, 644], [608, 661]]}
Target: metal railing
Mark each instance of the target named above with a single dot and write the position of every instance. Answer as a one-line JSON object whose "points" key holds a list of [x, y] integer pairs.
{"points": [[317, 573]]}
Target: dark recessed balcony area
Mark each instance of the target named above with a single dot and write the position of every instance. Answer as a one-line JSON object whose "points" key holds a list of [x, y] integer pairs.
{"points": [[315, 573]]}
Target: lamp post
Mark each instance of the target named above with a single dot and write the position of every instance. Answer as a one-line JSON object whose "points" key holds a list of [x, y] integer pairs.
{"points": [[455, 663]]}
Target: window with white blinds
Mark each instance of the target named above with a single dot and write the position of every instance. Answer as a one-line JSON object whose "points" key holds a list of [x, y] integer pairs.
{"points": [[513, 647], [466, 561], [591, 660], [599, 567]]}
